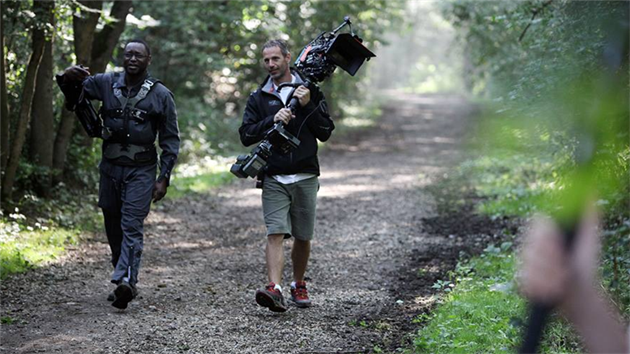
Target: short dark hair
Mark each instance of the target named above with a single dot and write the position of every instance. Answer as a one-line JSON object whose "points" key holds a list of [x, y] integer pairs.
{"points": [[141, 41], [277, 43]]}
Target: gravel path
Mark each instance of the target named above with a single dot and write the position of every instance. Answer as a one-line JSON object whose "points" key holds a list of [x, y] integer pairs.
{"points": [[204, 258]]}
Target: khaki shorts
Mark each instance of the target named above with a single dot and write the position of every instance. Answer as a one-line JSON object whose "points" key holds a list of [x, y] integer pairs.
{"points": [[289, 209]]}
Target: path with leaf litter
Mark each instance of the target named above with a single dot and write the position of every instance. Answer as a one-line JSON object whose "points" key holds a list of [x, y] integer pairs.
{"points": [[204, 258]]}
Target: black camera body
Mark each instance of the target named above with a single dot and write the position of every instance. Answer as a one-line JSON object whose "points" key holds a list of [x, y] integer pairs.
{"points": [[276, 139], [317, 61], [79, 104], [89, 118], [324, 54]]}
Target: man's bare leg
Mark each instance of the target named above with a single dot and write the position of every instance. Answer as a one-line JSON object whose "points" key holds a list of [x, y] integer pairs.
{"points": [[275, 258], [299, 255]]}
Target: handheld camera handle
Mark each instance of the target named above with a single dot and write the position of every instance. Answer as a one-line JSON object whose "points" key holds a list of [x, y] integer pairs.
{"points": [[294, 103], [538, 315]]}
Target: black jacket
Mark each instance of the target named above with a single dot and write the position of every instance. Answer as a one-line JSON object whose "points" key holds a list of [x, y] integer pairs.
{"points": [[159, 106], [311, 123]]}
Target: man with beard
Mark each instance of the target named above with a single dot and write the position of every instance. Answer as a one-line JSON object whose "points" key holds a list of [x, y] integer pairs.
{"points": [[290, 180], [136, 110]]}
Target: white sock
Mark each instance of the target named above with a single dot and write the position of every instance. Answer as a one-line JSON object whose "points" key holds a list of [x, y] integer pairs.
{"points": [[293, 284], [278, 287]]}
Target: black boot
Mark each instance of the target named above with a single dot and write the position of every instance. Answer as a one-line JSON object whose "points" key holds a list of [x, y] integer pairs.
{"points": [[124, 293]]}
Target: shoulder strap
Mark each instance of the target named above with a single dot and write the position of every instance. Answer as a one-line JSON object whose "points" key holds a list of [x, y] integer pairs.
{"points": [[144, 91], [131, 102]]}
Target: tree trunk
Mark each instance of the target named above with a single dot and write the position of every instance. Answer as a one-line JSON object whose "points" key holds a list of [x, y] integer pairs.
{"points": [[106, 40], [84, 27], [17, 142], [93, 49], [5, 124], [42, 119], [62, 141]]}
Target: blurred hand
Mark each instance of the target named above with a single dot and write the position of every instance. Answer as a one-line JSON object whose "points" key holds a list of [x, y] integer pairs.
{"points": [[303, 95], [159, 190], [76, 73], [547, 271], [543, 273], [568, 280], [284, 115]]}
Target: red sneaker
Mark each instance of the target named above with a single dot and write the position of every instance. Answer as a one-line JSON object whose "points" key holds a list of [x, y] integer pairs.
{"points": [[272, 298], [299, 294]]}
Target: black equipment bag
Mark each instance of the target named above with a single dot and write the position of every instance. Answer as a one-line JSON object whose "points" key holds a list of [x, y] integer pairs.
{"points": [[89, 118], [81, 106]]}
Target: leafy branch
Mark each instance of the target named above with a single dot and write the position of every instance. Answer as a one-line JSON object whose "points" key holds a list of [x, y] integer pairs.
{"points": [[535, 13]]}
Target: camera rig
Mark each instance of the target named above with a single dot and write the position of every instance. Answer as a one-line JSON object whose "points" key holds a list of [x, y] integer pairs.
{"points": [[79, 104], [317, 61], [277, 138]]}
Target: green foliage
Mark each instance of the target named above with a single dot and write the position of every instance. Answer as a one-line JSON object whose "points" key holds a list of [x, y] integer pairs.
{"points": [[556, 133], [475, 316], [7, 320], [18, 21], [208, 54], [555, 136], [564, 37], [616, 261], [25, 250], [511, 185], [201, 182], [206, 132], [37, 231], [483, 313], [358, 116], [514, 184]]}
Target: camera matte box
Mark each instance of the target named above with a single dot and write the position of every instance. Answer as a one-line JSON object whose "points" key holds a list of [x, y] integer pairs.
{"points": [[348, 53]]}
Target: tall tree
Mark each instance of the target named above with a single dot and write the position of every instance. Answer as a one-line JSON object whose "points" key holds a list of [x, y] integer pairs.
{"points": [[43, 11], [42, 117], [93, 49], [4, 100], [106, 39], [84, 24]]}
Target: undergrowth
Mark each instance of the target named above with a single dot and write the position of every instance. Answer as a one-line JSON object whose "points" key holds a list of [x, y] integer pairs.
{"points": [[479, 310], [37, 231]]}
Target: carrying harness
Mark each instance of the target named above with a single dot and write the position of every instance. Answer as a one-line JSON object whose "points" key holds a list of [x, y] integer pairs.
{"points": [[115, 150]]}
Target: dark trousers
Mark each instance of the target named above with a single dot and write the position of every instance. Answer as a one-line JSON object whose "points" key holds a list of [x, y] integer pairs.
{"points": [[125, 194]]}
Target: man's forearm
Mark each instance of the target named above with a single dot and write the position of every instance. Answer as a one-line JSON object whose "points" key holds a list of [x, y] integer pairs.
{"points": [[596, 319], [252, 133]]}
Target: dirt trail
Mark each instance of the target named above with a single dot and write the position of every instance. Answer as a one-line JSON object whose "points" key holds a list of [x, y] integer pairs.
{"points": [[204, 258]]}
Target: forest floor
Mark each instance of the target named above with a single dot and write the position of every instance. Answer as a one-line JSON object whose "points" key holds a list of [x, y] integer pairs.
{"points": [[380, 245]]}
